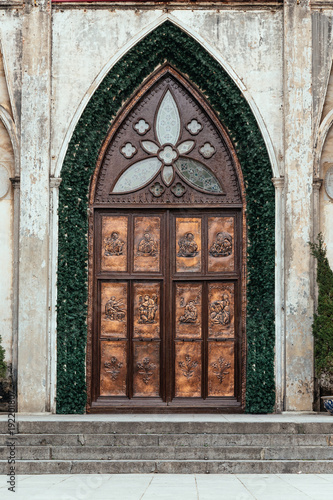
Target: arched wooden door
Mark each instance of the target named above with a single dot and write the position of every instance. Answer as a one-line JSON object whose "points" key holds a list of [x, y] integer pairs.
{"points": [[167, 288]]}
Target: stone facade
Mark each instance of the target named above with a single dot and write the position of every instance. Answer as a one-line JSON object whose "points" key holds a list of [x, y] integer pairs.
{"points": [[54, 56]]}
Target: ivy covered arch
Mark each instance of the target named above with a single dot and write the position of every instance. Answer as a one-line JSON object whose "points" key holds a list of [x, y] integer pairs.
{"points": [[166, 43]]}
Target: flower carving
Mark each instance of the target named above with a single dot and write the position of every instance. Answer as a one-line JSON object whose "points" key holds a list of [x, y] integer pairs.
{"points": [[113, 367], [221, 368], [166, 154], [146, 369], [188, 366]]}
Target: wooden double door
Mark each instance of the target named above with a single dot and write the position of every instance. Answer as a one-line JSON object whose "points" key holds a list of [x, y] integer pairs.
{"points": [[167, 310]]}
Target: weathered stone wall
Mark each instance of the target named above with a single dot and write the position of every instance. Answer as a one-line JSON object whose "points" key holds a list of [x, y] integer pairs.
{"points": [[55, 59], [7, 168], [86, 42]]}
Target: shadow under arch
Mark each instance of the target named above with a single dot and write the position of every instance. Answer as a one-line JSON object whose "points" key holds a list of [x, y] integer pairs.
{"points": [[167, 43]]}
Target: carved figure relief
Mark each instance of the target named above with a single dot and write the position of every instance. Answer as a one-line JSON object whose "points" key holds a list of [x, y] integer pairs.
{"points": [[147, 246], [147, 308], [187, 246], [219, 310], [113, 367], [188, 366], [146, 369], [113, 245], [221, 368], [190, 313], [114, 310], [222, 246], [113, 303]]}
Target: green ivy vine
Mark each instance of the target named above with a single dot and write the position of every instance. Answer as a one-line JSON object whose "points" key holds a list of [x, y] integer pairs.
{"points": [[165, 43]]}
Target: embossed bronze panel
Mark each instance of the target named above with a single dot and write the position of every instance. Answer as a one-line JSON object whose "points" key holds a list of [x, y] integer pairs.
{"points": [[113, 309], [188, 244], [221, 367], [188, 369], [221, 318], [221, 242], [188, 319], [113, 368], [147, 302], [146, 368], [114, 243], [147, 236]]}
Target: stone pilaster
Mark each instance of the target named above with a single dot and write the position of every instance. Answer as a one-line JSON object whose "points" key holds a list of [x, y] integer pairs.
{"points": [[280, 361], [298, 205], [53, 252], [34, 208]]}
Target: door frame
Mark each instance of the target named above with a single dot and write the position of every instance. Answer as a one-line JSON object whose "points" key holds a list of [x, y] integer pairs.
{"points": [[91, 350]]}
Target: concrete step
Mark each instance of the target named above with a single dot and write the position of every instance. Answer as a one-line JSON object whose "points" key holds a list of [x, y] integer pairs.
{"points": [[174, 444], [170, 427], [170, 466], [170, 453], [266, 440]]}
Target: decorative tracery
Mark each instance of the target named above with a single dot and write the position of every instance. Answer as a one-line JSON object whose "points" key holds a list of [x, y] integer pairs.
{"points": [[166, 154]]}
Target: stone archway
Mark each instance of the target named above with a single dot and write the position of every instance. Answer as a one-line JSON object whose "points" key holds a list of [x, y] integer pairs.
{"points": [[166, 43]]}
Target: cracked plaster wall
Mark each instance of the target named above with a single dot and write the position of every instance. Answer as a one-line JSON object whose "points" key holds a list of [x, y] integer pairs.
{"points": [[85, 40]]}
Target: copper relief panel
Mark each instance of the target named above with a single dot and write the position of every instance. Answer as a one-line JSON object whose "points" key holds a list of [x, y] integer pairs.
{"points": [[147, 235], [146, 310], [188, 310], [221, 242], [113, 368], [220, 310], [114, 243], [188, 244], [113, 309]]}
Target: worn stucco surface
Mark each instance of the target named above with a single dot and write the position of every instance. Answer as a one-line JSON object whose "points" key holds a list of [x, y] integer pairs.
{"points": [[84, 41], [6, 223], [326, 203]]}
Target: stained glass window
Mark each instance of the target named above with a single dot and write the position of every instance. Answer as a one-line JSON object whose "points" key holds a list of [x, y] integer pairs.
{"points": [[198, 175]]}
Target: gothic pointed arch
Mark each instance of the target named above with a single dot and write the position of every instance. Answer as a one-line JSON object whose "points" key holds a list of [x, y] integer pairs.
{"points": [[165, 44]]}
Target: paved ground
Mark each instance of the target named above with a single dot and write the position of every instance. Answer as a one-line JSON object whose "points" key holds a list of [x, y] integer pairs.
{"points": [[170, 487]]}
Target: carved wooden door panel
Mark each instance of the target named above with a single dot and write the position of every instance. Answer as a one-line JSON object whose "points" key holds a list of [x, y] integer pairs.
{"points": [[167, 309]]}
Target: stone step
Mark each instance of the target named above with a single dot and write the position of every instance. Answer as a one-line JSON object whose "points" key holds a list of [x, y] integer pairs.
{"points": [[169, 453], [169, 427], [170, 439], [170, 466]]}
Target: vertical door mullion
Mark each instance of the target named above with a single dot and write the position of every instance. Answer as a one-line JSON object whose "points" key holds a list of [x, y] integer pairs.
{"points": [[130, 307], [168, 373]]}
